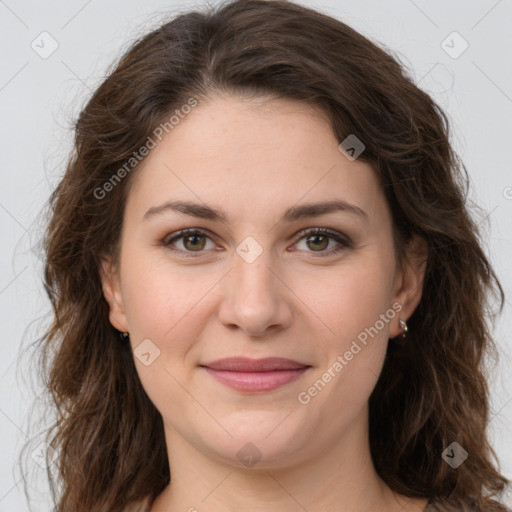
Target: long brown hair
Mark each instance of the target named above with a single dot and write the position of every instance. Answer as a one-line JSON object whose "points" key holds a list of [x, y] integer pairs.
{"points": [[433, 389]]}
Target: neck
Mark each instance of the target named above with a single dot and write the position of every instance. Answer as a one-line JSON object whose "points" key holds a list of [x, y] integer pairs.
{"points": [[340, 478]]}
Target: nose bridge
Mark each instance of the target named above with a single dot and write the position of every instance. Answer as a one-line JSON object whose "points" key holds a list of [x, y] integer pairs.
{"points": [[253, 297]]}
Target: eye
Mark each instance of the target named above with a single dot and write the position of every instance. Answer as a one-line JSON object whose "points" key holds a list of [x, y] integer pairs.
{"points": [[318, 239], [193, 240]]}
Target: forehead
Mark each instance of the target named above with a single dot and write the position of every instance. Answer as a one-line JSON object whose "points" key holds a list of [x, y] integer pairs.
{"points": [[253, 155]]}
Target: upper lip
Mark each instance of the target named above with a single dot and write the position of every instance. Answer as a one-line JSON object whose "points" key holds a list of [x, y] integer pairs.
{"points": [[245, 364]]}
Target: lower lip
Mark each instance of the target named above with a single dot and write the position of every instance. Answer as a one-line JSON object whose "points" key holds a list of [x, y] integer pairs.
{"points": [[256, 381]]}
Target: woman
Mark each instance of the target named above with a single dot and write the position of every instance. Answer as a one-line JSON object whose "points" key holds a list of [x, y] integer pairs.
{"points": [[269, 293]]}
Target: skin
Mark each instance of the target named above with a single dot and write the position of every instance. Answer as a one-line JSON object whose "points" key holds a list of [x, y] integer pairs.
{"points": [[252, 159]]}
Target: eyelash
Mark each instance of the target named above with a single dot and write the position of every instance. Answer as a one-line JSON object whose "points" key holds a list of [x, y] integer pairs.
{"points": [[344, 242]]}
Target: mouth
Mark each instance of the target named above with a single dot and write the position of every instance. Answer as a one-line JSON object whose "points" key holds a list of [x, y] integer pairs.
{"points": [[255, 375]]}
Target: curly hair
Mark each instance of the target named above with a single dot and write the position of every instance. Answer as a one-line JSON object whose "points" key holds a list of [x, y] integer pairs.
{"points": [[108, 434]]}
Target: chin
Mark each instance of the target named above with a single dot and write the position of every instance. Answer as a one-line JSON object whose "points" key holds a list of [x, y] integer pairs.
{"points": [[261, 443]]}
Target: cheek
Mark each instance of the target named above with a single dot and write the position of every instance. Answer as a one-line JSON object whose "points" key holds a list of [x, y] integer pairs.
{"points": [[163, 305], [159, 297], [351, 305], [352, 297]]}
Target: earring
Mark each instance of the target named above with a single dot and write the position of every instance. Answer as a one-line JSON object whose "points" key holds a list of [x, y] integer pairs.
{"points": [[123, 336], [403, 325]]}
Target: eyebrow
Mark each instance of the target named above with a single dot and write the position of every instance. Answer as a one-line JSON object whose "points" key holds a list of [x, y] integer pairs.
{"points": [[202, 211]]}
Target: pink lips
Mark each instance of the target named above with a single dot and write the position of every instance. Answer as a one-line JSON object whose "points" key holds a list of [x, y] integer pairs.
{"points": [[255, 375]]}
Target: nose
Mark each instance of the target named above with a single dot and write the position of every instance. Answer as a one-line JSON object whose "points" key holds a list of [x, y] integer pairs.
{"points": [[255, 297]]}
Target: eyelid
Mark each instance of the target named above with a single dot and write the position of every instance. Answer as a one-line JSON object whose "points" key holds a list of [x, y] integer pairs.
{"points": [[324, 231], [187, 231]]}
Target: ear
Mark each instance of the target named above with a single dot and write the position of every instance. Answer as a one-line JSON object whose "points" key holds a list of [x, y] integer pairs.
{"points": [[112, 292], [409, 281]]}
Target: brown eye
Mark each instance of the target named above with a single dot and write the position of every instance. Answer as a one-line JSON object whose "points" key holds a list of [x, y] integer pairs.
{"points": [[318, 239], [192, 241], [318, 242]]}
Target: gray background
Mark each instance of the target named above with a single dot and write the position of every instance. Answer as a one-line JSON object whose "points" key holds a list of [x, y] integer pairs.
{"points": [[40, 93]]}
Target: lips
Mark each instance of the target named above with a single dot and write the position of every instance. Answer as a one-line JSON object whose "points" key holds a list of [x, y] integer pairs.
{"points": [[245, 364], [255, 375]]}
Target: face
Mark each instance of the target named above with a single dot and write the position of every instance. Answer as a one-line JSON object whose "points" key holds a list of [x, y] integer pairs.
{"points": [[270, 278]]}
